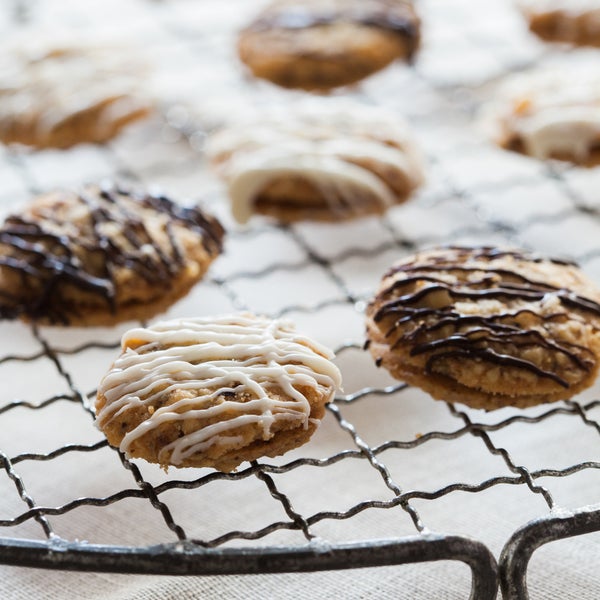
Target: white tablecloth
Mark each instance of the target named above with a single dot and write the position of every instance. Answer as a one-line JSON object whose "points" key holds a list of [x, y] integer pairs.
{"points": [[474, 193]]}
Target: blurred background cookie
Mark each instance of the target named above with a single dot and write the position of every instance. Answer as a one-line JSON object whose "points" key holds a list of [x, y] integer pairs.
{"points": [[572, 21], [102, 255], [487, 327], [549, 112], [58, 94], [322, 44], [321, 161], [214, 392]]}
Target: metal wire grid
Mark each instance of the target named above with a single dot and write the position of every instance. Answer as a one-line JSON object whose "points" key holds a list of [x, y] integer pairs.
{"points": [[183, 552]]}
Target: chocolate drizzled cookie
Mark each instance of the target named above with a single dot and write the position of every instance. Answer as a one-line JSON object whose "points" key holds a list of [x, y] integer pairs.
{"points": [[320, 44], [487, 327], [102, 255]]}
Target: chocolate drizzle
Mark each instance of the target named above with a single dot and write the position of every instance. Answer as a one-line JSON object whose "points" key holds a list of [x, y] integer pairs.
{"points": [[397, 16], [48, 253], [418, 309]]}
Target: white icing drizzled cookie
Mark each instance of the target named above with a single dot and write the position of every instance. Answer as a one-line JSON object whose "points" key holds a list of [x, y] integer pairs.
{"points": [[320, 161], [215, 391], [553, 112], [57, 93]]}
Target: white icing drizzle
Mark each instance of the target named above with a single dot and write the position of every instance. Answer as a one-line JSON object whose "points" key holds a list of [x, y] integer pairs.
{"points": [[319, 143], [556, 110], [48, 79], [212, 359]]}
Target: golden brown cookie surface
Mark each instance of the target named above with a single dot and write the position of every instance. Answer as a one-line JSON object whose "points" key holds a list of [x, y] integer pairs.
{"points": [[550, 112], [320, 44], [102, 255], [318, 161], [215, 391], [58, 95], [487, 327], [571, 21]]}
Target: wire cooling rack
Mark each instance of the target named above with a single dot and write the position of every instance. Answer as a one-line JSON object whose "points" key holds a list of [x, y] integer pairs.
{"points": [[391, 477]]}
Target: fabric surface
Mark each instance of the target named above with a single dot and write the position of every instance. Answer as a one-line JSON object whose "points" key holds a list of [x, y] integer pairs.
{"points": [[319, 275]]}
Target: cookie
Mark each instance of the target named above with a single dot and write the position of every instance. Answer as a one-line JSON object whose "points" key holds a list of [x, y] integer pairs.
{"points": [[322, 161], [58, 95], [102, 255], [323, 44], [215, 392], [552, 112], [571, 21], [487, 327]]}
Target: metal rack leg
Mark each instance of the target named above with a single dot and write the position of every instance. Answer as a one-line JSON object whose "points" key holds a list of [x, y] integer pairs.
{"points": [[186, 558], [517, 552]]}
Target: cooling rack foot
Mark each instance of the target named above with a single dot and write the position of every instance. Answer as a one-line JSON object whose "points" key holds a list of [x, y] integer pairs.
{"points": [[187, 558], [517, 552]]}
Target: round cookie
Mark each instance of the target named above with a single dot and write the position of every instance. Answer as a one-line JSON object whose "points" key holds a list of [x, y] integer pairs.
{"points": [[322, 161], [102, 255], [551, 112], [571, 21], [487, 327], [214, 392], [322, 44], [58, 95]]}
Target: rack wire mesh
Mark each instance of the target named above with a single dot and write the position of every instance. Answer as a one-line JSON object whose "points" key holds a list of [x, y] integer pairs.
{"points": [[391, 477]]}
